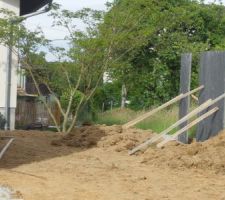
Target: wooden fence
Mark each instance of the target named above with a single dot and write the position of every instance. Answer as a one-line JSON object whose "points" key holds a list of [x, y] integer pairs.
{"points": [[29, 111]]}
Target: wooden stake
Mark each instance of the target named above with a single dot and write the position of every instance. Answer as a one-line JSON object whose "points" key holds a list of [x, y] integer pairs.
{"points": [[199, 119], [174, 100]]}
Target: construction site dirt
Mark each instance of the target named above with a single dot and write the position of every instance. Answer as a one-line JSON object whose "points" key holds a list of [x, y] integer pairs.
{"points": [[92, 163]]}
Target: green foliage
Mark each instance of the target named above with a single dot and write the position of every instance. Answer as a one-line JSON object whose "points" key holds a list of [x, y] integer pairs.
{"points": [[158, 32], [79, 69], [157, 123], [106, 94], [161, 120], [65, 98], [116, 116], [137, 42]]}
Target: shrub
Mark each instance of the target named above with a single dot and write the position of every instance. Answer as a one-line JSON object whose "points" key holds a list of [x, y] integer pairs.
{"points": [[76, 99]]}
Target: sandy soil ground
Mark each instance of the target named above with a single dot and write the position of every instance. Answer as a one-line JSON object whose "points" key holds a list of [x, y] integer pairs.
{"points": [[92, 164]]}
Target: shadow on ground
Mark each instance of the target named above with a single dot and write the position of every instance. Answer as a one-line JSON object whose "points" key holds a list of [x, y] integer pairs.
{"points": [[36, 146]]}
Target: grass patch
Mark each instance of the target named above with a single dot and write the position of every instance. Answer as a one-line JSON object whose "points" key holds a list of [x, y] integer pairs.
{"points": [[116, 116], [157, 122], [160, 121]]}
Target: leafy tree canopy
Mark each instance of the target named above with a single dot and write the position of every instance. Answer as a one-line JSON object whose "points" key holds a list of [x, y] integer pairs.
{"points": [[163, 31]]}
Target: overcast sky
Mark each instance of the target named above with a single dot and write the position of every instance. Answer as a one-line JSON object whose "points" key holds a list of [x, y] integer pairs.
{"points": [[45, 22], [58, 33]]}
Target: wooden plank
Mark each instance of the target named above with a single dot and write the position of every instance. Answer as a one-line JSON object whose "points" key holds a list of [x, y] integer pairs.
{"points": [[6, 148], [163, 133], [146, 115], [174, 100], [154, 139], [199, 119], [194, 97]]}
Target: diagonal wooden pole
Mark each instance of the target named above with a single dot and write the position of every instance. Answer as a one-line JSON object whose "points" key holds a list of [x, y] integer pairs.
{"points": [[148, 142], [146, 115], [199, 119], [163, 133]]}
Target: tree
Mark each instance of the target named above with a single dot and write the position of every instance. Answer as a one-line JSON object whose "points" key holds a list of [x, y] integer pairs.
{"points": [[151, 70], [72, 81], [77, 81], [75, 77]]}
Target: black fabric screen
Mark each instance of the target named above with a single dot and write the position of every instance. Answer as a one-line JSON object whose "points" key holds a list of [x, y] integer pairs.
{"points": [[29, 6]]}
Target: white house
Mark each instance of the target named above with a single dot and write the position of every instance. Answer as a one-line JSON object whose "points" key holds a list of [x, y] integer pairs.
{"points": [[8, 89]]}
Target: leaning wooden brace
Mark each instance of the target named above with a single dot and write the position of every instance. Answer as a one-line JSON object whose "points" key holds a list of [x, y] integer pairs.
{"points": [[196, 111], [199, 119], [146, 115], [165, 132]]}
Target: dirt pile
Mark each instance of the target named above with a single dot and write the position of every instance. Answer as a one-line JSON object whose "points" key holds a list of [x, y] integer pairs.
{"points": [[103, 137], [207, 155], [122, 140], [41, 171]]}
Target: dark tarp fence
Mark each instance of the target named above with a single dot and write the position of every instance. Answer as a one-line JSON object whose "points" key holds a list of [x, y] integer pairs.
{"points": [[212, 76]]}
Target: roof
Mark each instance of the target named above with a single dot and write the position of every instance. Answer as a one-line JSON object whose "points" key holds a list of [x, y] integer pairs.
{"points": [[29, 6]]}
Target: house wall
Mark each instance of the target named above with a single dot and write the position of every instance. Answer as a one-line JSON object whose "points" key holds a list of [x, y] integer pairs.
{"points": [[12, 5]]}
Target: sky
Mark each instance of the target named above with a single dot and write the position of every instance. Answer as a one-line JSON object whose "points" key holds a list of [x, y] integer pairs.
{"points": [[45, 22], [58, 33]]}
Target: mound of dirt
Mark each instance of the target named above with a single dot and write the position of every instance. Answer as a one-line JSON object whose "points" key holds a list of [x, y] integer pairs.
{"points": [[206, 155], [104, 137], [41, 171], [122, 140]]}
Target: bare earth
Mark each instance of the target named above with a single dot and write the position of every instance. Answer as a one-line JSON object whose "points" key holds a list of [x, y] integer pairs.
{"points": [[93, 164]]}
